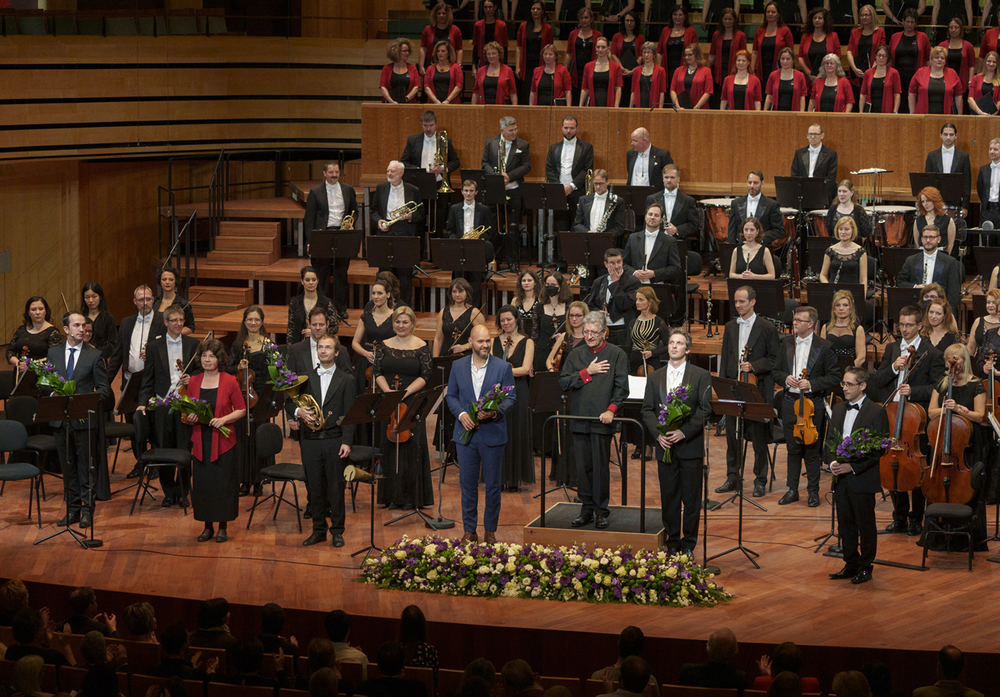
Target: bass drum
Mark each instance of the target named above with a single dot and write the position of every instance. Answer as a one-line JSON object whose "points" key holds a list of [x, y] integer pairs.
{"points": [[817, 223], [895, 224], [717, 217]]}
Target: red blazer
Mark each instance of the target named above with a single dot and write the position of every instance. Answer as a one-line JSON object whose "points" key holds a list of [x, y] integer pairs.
{"points": [[845, 94], [505, 84], [618, 41], [614, 80], [522, 43], [890, 89], [968, 62], [989, 41], [457, 80], [479, 38], [976, 89], [832, 45], [752, 94], [923, 48], [690, 37], [952, 87], [738, 44], [228, 399], [878, 38], [800, 88], [561, 82], [427, 40], [702, 83], [387, 73], [571, 52], [783, 39], [657, 86]]}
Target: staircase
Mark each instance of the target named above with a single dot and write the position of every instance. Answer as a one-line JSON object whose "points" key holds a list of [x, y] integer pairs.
{"points": [[215, 301], [246, 242]]}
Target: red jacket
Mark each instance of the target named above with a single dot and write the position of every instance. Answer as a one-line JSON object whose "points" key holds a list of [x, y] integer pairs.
{"points": [[739, 43], [614, 80], [228, 399], [522, 44], [783, 39], [690, 37], [427, 41], [890, 87], [845, 94], [832, 46], [618, 41], [976, 89], [923, 49], [952, 88], [457, 80], [479, 38], [561, 82], [752, 94], [657, 86], [571, 52], [878, 38], [800, 88], [505, 84], [968, 62], [702, 83], [387, 74], [989, 41]]}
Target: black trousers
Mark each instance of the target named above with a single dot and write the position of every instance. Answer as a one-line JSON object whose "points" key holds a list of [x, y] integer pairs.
{"points": [[990, 211], [325, 481], [593, 451], [680, 487], [511, 241], [756, 433], [172, 432], [75, 463], [856, 521], [678, 289], [797, 451]]}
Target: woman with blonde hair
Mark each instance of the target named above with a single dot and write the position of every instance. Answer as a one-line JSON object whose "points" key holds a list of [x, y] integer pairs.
{"points": [[400, 80], [940, 327], [27, 679], [494, 81], [987, 79], [602, 78], [831, 90], [845, 332], [444, 80], [865, 40], [923, 99], [441, 27], [845, 261]]}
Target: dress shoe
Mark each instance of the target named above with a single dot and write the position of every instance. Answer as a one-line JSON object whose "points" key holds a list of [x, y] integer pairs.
{"points": [[338, 540], [843, 574], [307, 514], [914, 529], [71, 519], [222, 536], [758, 490], [601, 522], [244, 489], [183, 502], [862, 576], [582, 520], [730, 485], [86, 520], [490, 537], [813, 499], [314, 539], [168, 501], [896, 526], [134, 472], [206, 535], [791, 496], [470, 537]]}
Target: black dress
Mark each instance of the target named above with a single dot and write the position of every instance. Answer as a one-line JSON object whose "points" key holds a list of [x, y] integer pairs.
{"points": [[298, 319], [904, 59], [647, 335], [544, 96], [756, 264], [408, 480], [38, 344], [399, 86], [374, 334], [940, 221], [875, 91], [518, 458], [674, 56], [526, 318], [786, 93], [215, 484], [455, 331], [600, 95], [178, 300], [547, 326], [767, 46], [105, 334], [817, 49], [861, 219], [249, 465], [843, 347], [584, 49], [848, 266], [947, 340]]}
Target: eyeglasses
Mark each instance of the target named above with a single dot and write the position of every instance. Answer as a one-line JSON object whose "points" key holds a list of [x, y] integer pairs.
{"points": [[850, 384], [591, 332]]}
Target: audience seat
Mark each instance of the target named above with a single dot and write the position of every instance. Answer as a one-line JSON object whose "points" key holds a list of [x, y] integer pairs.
{"points": [[71, 679], [424, 675], [571, 684], [140, 684], [449, 680], [50, 680], [207, 653], [221, 689], [685, 691], [267, 666]]}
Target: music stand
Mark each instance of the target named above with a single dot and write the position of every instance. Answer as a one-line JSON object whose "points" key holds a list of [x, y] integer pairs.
{"points": [[636, 196], [803, 194], [815, 252], [128, 403], [770, 295], [951, 186], [821, 297], [547, 398], [542, 197], [394, 252], [66, 408], [893, 259], [427, 184], [27, 387], [987, 259], [900, 298], [459, 256], [579, 247]]}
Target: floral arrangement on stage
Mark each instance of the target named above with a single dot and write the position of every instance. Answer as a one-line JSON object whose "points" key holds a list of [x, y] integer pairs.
{"points": [[672, 415], [490, 401], [185, 405], [856, 446], [448, 566], [48, 376], [281, 378]]}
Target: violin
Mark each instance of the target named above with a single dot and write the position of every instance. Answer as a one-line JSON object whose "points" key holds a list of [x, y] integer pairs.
{"points": [[902, 466], [745, 358], [397, 415], [246, 377], [949, 478], [182, 389], [507, 344], [805, 428], [456, 334]]}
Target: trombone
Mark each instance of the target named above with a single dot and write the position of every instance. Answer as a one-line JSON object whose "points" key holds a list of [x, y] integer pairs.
{"points": [[441, 158], [396, 215]]}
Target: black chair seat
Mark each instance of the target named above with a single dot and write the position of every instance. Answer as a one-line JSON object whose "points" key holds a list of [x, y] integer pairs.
{"points": [[173, 457], [16, 471], [269, 442], [117, 429], [956, 511], [13, 438], [288, 471], [363, 455], [41, 443]]}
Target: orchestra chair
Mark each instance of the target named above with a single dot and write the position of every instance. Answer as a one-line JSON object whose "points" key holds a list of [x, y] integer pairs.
{"points": [[362, 457], [117, 431], [140, 684], [7, 381], [14, 439], [269, 442], [952, 519], [152, 459], [22, 409], [571, 684]]}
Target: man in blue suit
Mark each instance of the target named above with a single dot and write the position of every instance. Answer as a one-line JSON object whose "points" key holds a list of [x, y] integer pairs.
{"points": [[471, 378]]}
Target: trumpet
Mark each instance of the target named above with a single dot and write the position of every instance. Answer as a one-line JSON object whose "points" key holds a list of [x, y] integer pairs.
{"points": [[476, 232], [441, 158], [348, 222], [396, 215]]}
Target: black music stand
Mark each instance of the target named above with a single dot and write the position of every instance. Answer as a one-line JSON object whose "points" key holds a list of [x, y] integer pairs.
{"points": [[542, 197], [460, 256], [27, 386], [440, 373], [580, 247], [66, 408], [547, 398], [815, 252], [893, 259], [374, 407], [821, 297], [743, 391], [128, 403], [803, 194], [394, 252], [478, 176], [770, 295], [900, 298], [636, 197], [987, 259], [427, 184], [951, 186]]}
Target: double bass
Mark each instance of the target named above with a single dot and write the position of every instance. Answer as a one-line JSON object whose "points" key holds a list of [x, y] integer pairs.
{"points": [[804, 429], [949, 478], [902, 466]]}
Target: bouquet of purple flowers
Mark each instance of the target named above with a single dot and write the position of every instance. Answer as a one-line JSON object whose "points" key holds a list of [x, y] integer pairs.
{"points": [[490, 401], [857, 446], [672, 415], [48, 376], [281, 378], [185, 405]]}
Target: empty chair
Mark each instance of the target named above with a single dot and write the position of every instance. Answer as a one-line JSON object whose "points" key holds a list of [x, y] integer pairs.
{"points": [[13, 440], [269, 444]]}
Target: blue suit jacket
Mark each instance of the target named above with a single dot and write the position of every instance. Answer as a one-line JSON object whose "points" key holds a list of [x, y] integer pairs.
{"points": [[461, 395]]}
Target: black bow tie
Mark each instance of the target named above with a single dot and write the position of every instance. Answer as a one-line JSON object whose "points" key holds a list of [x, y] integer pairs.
{"points": [[855, 407]]}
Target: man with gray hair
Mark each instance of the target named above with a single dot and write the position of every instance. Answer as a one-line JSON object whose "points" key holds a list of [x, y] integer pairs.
{"points": [[988, 186], [718, 672], [516, 164], [598, 377], [392, 195]]}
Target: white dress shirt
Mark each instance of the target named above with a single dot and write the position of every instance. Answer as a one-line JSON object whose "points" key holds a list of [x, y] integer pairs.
{"points": [[675, 375], [597, 208], [175, 352], [566, 162], [140, 335], [649, 240], [802, 349], [397, 197], [325, 377], [929, 261], [813, 156], [746, 326], [947, 157], [335, 199], [994, 182], [669, 199], [478, 377], [752, 202], [640, 168], [428, 152], [851, 417], [468, 217], [314, 357], [903, 350]]}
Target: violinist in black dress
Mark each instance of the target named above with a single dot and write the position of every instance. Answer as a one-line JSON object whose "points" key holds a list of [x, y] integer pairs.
{"points": [[518, 350]]}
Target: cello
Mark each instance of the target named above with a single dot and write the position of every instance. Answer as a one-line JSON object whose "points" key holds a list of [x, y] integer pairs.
{"points": [[804, 429], [902, 466], [949, 478]]}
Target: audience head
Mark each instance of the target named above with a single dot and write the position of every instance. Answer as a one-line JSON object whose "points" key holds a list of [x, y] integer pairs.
{"points": [[851, 683], [246, 655], [93, 648], [13, 597], [26, 625], [412, 626], [214, 612], [83, 601], [630, 642], [787, 657], [323, 683], [140, 619], [390, 659], [950, 662], [272, 619], [722, 645], [480, 668], [476, 687], [174, 639], [557, 691], [635, 674], [338, 625], [100, 681], [518, 676], [28, 675], [321, 654], [786, 684], [879, 678]]}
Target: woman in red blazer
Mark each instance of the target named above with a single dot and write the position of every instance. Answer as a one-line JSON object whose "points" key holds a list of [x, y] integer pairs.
{"points": [[443, 80], [768, 43], [832, 79], [741, 78], [691, 85], [654, 77], [612, 73], [818, 40], [485, 30], [551, 80], [580, 49], [400, 81], [674, 38], [910, 51], [787, 88], [988, 77], [727, 41], [441, 28], [920, 102], [215, 491], [531, 37], [891, 88], [626, 46], [957, 46], [865, 40], [989, 42], [494, 81]]}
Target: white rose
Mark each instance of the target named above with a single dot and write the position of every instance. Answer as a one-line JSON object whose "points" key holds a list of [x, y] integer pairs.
{"points": [[484, 569], [526, 581], [510, 568], [432, 575], [671, 572], [631, 573], [528, 568], [598, 579], [607, 580], [430, 550], [620, 571], [616, 560], [642, 572], [400, 554], [467, 560]]}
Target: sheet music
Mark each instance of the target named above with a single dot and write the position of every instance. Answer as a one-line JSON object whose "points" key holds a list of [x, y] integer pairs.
{"points": [[636, 387]]}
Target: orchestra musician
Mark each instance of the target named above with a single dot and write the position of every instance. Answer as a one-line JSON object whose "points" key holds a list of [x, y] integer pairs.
{"points": [[327, 206], [302, 304], [465, 217], [756, 205], [749, 347], [806, 366], [94, 306], [516, 165], [949, 159], [817, 160], [932, 265], [304, 354], [594, 215], [680, 215], [988, 186], [136, 330], [391, 195], [420, 152], [645, 162], [248, 354], [752, 259], [922, 378], [613, 295], [567, 163], [654, 258], [167, 295], [518, 350], [34, 336]]}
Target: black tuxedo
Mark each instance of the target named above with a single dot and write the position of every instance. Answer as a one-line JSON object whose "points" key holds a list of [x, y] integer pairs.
{"points": [[119, 357], [684, 217], [854, 493], [404, 228], [481, 215], [658, 159], [987, 210], [960, 164], [317, 218], [681, 479], [763, 344], [518, 164], [826, 167], [414, 150], [823, 374], [768, 213], [583, 159], [300, 359], [664, 262], [622, 303], [947, 272], [616, 223]]}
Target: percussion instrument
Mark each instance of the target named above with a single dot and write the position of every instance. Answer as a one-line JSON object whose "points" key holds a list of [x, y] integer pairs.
{"points": [[788, 216], [895, 222], [717, 216], [817, 222]]}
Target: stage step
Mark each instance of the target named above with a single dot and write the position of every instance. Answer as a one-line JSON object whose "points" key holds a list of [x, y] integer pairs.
{"points": [[224, 295], [249, 228], [245, 243], [247, 258]]}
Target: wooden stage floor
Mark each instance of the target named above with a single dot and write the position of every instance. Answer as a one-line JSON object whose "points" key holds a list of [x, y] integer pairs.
{"points": [[788, 598]]}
